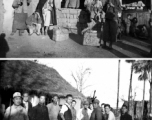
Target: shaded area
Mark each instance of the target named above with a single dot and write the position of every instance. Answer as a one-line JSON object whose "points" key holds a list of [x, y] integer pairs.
{"points": [[4, 48], [77, 38], [131, 49], [117, 53]]}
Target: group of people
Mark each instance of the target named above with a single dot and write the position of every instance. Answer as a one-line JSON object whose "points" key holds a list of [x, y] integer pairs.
{"points": [[22, 109], [107, 13], [43, 16], [39, 22]]}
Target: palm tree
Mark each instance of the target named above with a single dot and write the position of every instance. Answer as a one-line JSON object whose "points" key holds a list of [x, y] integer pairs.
{"points": [[144, 68], [130, 103]]}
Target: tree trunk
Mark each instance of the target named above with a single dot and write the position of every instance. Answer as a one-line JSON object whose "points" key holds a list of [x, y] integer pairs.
{"points": [[118, 84], [143, 99], [130, 104]]}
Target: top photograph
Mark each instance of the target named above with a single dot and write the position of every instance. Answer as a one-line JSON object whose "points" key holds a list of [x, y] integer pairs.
{"points": [[75, 28]]}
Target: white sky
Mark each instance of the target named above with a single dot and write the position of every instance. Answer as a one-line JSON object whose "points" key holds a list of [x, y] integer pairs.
{"points": [[103, 78]]}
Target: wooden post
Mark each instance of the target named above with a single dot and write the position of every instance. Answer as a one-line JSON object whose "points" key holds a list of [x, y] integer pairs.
{"points": [[151, 4], [118, 85]]}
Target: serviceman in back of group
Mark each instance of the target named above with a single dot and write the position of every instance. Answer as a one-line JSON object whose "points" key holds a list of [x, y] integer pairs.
{"points": [[97, 112], [16, 111]]}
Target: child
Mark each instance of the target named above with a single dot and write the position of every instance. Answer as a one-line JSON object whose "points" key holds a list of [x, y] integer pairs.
{"points": [[34, 23], [128, 24]]}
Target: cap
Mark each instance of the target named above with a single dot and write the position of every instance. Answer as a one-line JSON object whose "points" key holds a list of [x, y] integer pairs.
{"points": [[96, 101], [17, 94], [86, 103]]}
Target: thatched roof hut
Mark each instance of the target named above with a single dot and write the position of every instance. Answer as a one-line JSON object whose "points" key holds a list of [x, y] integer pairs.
{"points": [[31, 76]]}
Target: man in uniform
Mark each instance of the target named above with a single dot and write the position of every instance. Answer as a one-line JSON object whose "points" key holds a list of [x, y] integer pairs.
{"points": [[16, 111], [97, 112]]}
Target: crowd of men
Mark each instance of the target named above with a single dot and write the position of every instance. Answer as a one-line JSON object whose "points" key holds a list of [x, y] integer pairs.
{"points": [[22, 109]]}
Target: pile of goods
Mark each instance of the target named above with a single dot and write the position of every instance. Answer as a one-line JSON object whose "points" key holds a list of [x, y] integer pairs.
{"points": [[135, 5]]}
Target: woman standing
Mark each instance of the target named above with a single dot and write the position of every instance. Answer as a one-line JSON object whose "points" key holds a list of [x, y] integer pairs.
{"points": [[20, 15], [111, 8]]}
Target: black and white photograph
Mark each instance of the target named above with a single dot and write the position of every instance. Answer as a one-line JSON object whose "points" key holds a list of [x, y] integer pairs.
{"points": [[76, 28], [79, 89], [75, 59]]}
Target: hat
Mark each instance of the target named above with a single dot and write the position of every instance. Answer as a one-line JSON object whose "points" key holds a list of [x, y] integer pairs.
{"points": [[86, 103], [96, 101], [17, 94]]}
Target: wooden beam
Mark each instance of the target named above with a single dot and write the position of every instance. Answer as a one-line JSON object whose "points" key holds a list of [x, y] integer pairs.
{"points": [[151, 4]]}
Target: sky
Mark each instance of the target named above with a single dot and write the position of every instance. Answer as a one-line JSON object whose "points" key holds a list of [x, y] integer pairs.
{"points": [[103, 78]]}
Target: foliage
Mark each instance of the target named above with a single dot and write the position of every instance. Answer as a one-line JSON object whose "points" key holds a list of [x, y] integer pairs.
{"points": [[80, 77]]}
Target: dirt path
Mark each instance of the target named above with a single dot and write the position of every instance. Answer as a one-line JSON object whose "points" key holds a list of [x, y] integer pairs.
{"points": [[43, 47]]}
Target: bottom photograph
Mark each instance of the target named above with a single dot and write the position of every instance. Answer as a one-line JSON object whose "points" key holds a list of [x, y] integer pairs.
{"points": [[76, 89]]}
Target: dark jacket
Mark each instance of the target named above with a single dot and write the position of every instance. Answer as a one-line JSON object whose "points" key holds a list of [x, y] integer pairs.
{"points": [[68, 114], [29, 106], [39, 112], [126, 116], [112, 12], [97, 114]]}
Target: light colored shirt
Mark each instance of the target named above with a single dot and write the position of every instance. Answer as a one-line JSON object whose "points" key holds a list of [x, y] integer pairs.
{"points": [[80, 115], [57, 3], [16, 113], [53, 111], [65, 108], [26, 105], [111, 116]]}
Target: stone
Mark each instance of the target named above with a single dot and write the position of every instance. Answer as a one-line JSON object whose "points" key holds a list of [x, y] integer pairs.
{"points": [[73, 11], [60, 34], [65, 10], [91, 39], [73, 21]]}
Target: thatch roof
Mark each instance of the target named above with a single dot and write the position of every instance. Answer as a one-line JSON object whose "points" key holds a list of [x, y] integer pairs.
{"points": [[29, 75]]}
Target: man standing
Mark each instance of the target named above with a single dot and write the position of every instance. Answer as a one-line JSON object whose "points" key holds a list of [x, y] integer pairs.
{"points": [[108, 113], [74, 4], [125, 115], [84, 113], [16, 111], [65, 112], [40, 111], [111, 8], [54, 108], [73, 110], [20, 16], [26, 103], [97, 112]]}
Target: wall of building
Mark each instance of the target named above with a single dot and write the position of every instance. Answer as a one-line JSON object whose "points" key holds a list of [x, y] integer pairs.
{"points": [[1, 15]]}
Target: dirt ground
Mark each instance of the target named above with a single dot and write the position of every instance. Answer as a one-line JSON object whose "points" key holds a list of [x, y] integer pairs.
{"points": [[43, 47]]}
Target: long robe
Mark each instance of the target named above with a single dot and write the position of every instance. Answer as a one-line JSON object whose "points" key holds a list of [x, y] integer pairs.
{"points": [[110, 27], [39, 9], [20, 15]]}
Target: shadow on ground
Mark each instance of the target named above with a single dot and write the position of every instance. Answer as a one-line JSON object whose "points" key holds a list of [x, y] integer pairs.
{"points": [[77, 38], [4, 48]]}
